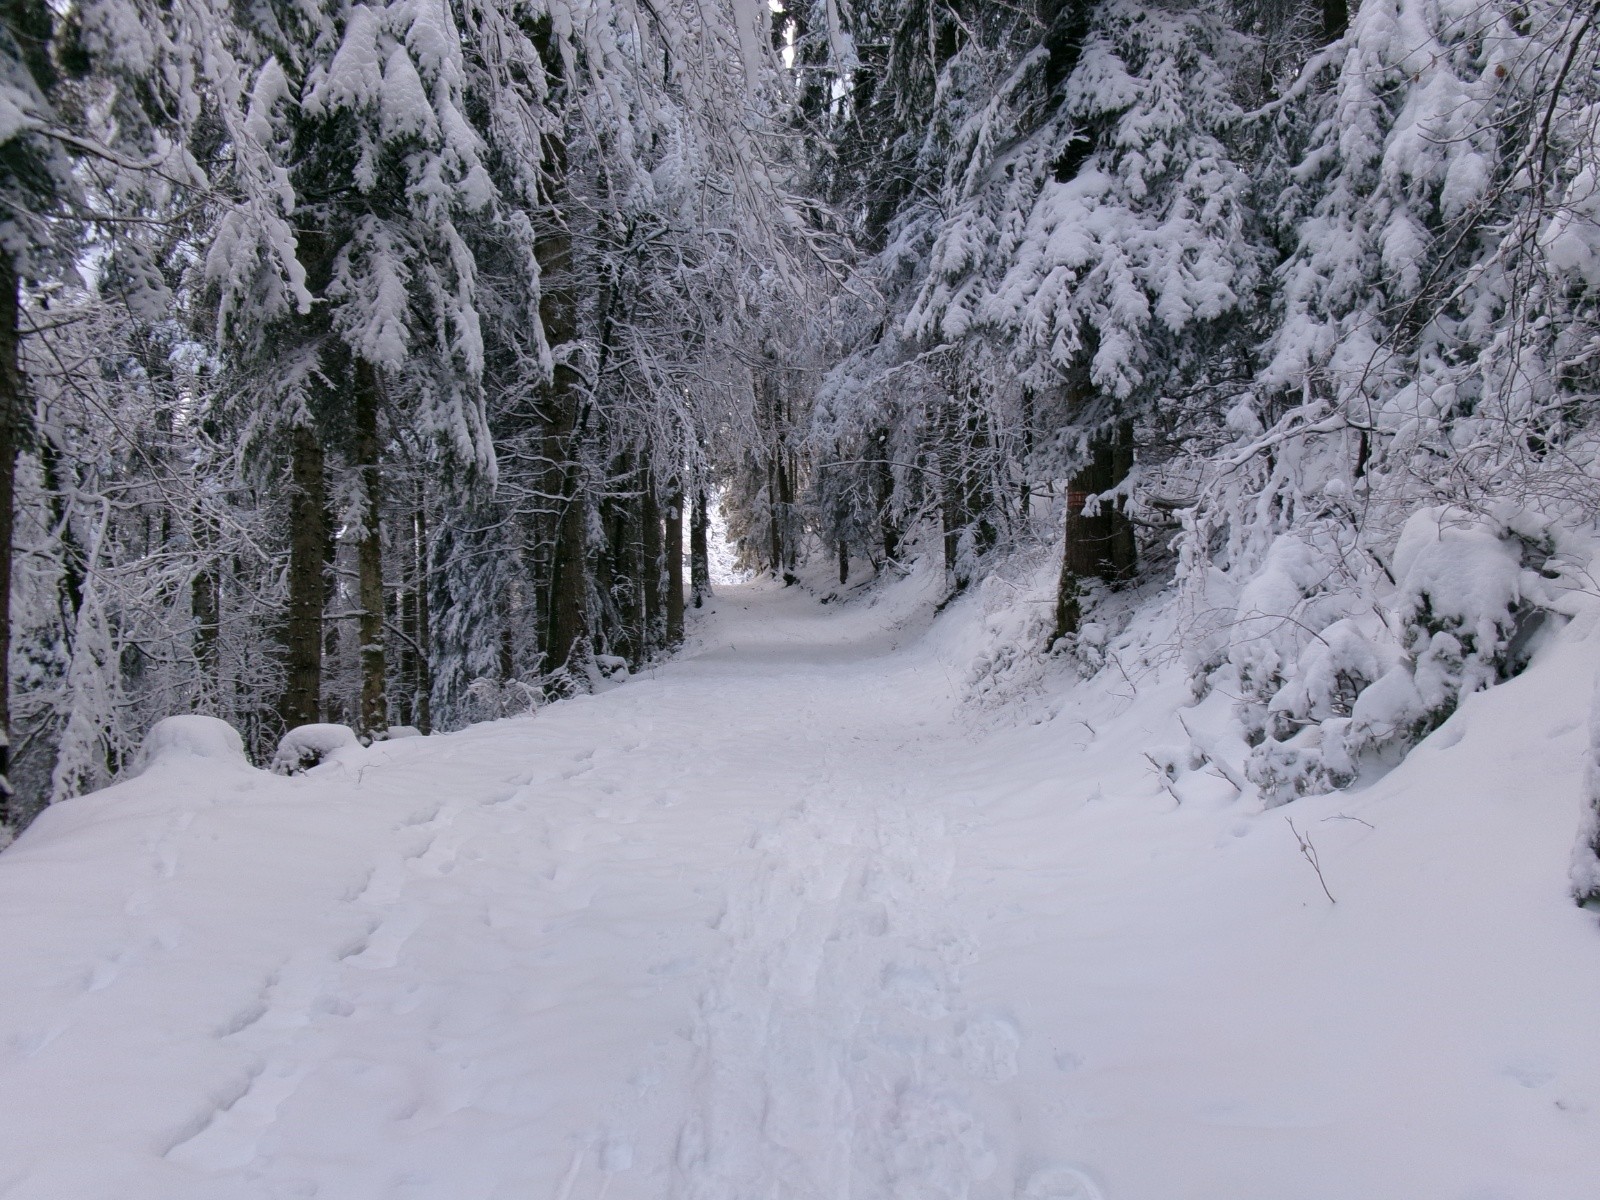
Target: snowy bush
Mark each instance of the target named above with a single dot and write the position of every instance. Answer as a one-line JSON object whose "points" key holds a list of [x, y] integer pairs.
{"points": [[304, 747], [1276, 639], [1467, 605], [489, 699]]}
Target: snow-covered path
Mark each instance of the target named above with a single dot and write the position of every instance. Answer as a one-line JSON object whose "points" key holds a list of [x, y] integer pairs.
{"points": [[688, 938], [772, 924]]}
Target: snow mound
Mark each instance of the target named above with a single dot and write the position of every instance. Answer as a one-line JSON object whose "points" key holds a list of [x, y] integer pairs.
{"points": [[307, 745], [191, 737], [397, 732]]}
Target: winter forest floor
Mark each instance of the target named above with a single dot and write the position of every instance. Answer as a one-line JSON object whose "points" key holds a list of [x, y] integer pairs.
{"points": [[789, 920]]}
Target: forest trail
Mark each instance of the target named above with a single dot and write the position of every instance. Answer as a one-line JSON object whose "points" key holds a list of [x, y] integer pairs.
{"points": [[688, 938], [777, 921]]}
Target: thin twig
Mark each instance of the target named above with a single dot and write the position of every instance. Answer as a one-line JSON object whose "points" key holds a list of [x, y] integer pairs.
{"points": [[1309, 852], [1346, 817]]}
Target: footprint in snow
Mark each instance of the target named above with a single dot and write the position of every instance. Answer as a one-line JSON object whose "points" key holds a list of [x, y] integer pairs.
{"points": [[917, 990], [989, 1043]]}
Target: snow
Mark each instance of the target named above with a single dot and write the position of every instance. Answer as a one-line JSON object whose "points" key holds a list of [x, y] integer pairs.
{"points": [[791, 917], [309, 745], [173, 739]]}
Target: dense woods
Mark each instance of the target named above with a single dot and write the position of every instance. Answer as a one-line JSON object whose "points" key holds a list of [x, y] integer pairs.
{"points": [[384, 364]]}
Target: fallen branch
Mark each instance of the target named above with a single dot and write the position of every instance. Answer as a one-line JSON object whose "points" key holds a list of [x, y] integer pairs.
{"points": [[1309, 852]]}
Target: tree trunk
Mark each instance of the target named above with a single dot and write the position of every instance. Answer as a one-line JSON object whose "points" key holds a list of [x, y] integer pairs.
{"points": [[373, 715], [1335, 19], [205, 604], [422, 633], [1101, 546], [673, 553], [788, 473], [948, 455], [844, 562], [699, 551], [567, 610], [1025, 498], [888, 532], [651, 575], [308, 544], [774, 518], [12, 408], [566, 605]]}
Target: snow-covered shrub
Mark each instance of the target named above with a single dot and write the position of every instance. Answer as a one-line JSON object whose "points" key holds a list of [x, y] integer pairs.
{"points": [[1298, 592], [1466, 583], [1586, 854], [304, 747], [489, 699], [1466, 605], [191, 737]]}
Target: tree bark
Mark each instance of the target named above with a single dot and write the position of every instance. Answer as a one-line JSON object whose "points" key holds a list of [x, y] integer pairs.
{"points": [[652, 576], [1101, 546], [12, 410], [888, 532], [423, 633], [699, 551], [205, 604], [566, 609], [1335, 19], [774, 519], [373, 715], [673, 553], [308, 542], [566, 604]]}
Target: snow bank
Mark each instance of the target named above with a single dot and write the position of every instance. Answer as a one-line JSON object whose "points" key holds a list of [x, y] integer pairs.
{"points": [[190, 737], [1586, 854], [307, 745]]}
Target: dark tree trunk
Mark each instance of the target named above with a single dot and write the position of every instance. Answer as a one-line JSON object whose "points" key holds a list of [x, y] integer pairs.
{"points": [[651, 574], [673, 552], [1101, 546], [508, 655], [948, 456], [1335, 19], [1025, 498], [699, 551], [788, 474], [566, 624], [888, 532], [422, 632], [373, 715], [628, 570], [774, 517], [205, 603], [844, 562], [308, 547], [567, 608], [12, 410]]}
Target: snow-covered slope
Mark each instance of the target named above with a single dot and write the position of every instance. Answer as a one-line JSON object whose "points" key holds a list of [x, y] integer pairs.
{"points": [[789, 919]]}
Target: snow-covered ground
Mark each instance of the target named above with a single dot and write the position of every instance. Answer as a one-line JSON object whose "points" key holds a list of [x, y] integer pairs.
{"points": [[787, 920]]}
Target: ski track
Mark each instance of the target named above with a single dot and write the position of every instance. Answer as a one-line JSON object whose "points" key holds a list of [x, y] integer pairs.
{"points": [[770, 1013]]}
